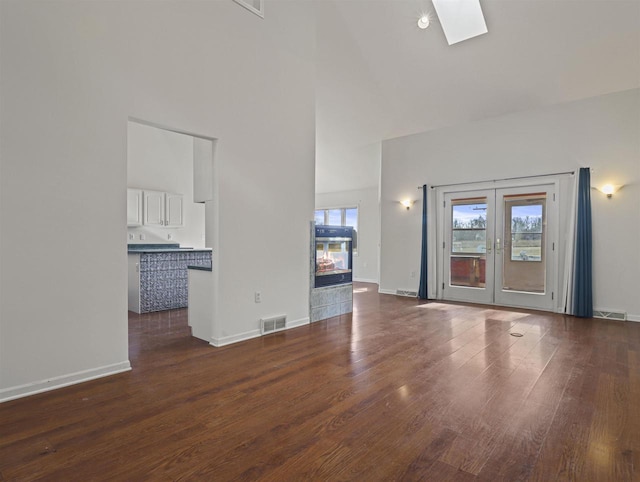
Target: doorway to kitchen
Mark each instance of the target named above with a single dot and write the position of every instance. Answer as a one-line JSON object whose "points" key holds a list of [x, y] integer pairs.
{"points": [[169, 192], [499, 246]]}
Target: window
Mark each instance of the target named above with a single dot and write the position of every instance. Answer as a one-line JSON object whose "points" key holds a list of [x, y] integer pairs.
{"points": [[340, 217], [469, 226], [526, 232]]}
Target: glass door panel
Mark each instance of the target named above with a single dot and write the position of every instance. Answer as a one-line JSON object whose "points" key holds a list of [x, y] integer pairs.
{"points": [[523, 263], [468, 242], [469, 264], [523, 260]]}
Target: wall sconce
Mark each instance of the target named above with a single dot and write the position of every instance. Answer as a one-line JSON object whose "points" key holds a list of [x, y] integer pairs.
{"points": [[407, 203], [609, 189]]}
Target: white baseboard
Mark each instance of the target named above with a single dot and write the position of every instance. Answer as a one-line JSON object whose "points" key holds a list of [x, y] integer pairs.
{"points": [[633, 317], [297, 323], [27, 389], [386, 292], [228, 340], [366, 280], [248, 335]]}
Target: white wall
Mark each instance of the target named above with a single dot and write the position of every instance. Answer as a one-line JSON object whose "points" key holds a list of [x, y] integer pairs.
{"points": [[348, 169], [72, 73], [162, 160], [601, 132], [365, 264]]}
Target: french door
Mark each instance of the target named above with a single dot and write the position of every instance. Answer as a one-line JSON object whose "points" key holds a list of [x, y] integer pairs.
{"points": [[499, 246]]}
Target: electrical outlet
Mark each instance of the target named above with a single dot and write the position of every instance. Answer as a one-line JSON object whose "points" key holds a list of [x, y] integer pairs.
{"points": [[413, 274], [132, 236], [258, 297], [142, 237]]}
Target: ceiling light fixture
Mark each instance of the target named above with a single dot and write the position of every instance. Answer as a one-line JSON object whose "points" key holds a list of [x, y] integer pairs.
{"points": [[423, 22]]}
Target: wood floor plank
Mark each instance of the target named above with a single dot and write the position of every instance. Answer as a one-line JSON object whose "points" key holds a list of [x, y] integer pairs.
{"points": [[401, 389], [564, 451]]}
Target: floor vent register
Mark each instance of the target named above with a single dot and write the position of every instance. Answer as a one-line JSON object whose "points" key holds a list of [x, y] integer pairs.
{"points": [[270, 325]]}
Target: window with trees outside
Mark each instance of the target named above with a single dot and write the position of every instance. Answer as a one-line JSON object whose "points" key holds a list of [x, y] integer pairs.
{"points": [[526, 232], [340, 217]]}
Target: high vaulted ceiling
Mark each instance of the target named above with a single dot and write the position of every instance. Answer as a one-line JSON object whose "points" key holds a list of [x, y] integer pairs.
{"points": [[379, 76]]}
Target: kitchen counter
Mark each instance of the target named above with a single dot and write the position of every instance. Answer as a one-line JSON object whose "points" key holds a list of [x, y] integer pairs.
{"points": [[201, 268], [163, 248]]}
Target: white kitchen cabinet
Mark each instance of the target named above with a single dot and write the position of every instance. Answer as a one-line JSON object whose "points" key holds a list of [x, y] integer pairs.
{"points": [[173, 210], [154, 208], [134, 207], [202, 169]]}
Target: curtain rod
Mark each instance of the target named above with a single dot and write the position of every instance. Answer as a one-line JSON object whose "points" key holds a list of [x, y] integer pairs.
{"points": [[503, 179]]}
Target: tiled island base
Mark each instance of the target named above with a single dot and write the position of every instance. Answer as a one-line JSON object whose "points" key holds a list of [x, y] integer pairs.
{"points": [[159, 281], [331, 301]]}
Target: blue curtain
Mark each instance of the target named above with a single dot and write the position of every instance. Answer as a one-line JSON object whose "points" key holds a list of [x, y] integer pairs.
{"points": [[422, 291], [582, 291]]}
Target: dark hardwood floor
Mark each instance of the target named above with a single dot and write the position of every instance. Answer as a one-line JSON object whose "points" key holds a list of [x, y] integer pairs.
{"points": [[400, 390]]}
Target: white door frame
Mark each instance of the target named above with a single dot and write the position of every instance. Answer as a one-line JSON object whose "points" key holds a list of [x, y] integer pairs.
{"points": [[552, 209]]}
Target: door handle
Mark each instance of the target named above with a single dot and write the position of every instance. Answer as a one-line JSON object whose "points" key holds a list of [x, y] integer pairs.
{"points": [[489, 245], [497, 245]]}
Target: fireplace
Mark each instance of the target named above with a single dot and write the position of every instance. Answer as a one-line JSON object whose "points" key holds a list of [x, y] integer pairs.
{"points": [[333, 255]]}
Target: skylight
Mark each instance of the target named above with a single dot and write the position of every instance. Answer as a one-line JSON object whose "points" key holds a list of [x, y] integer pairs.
{"points": [[460, 19]]}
